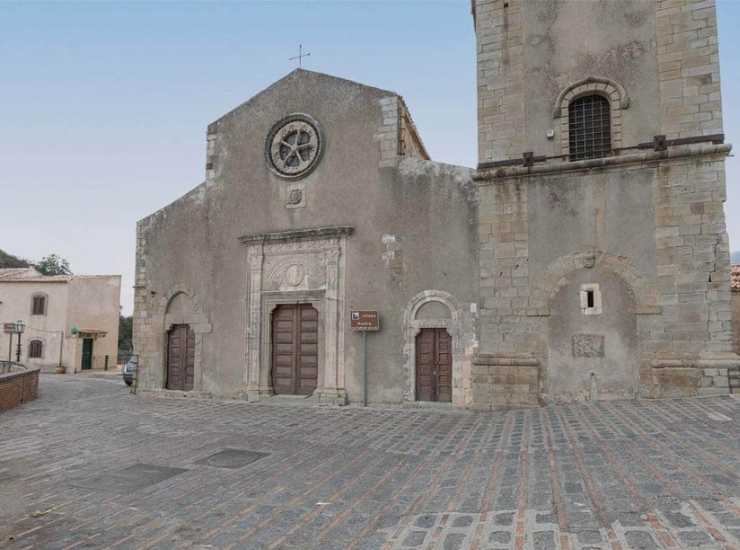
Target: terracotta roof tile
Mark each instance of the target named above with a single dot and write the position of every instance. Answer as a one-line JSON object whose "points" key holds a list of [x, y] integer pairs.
{"points": [[735, 281]]}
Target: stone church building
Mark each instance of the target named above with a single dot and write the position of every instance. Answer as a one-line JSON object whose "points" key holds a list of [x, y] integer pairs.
{"points": [[585, 258]]}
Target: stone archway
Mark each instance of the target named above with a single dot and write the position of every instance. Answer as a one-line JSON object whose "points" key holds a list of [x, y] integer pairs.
{"points": [[614, 93], [182, 310], [560, 292], [433, 309], [593, 352]]}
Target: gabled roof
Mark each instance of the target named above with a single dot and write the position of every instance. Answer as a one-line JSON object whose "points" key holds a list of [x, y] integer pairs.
{"points": [[735, 278], [293, 75]]}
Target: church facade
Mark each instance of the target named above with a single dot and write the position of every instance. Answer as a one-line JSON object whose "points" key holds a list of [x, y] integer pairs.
{"points": [[585, 258]]}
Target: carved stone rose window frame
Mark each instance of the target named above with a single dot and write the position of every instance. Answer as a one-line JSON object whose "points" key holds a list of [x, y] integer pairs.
{"points": [[294, 146]]}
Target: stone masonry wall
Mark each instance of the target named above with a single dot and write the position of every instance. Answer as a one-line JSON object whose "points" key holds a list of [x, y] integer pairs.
{"points": [[501, 119], [736, 320], [673, 255], [144, 333], [688, 65], [693, 260]]}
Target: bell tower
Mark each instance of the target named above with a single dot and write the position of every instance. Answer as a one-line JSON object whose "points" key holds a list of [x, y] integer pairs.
{"points": [[601, 180]]}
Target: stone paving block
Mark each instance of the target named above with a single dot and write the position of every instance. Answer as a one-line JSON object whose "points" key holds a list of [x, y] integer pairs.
{"points": [[543, 540], [640, 540]]}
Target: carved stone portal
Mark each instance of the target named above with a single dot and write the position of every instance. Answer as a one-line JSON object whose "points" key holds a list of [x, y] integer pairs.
{"points": [[301, 266]]}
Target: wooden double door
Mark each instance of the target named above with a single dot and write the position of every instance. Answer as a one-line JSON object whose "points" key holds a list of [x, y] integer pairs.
{"points": [[180, 358], [295, 349], [434, 365]]}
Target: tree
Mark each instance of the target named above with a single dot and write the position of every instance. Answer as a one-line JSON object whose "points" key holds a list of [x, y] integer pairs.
{"points": [[125, 337], [8, 260], [53, 265]]}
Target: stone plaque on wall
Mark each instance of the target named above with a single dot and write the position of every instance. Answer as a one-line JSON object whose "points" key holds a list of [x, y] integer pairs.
{"points": [[588, 345]]}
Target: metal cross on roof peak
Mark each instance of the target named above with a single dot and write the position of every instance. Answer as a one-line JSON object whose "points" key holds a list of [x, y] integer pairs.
{"points": [[300, 55]]}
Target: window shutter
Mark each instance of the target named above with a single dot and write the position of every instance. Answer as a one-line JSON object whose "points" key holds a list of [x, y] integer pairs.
{"points": [[39, 305]]}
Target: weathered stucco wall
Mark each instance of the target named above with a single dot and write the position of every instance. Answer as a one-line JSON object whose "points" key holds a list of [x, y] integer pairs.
{"points": [[17, 299], [94, 303], [413, 230], [87, 302]]}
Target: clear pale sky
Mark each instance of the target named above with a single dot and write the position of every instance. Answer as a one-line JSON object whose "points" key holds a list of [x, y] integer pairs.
{"points": [[104, 106]]}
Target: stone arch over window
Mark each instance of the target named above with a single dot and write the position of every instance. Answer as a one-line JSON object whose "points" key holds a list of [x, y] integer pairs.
{"points": [[640, 296], [39, 303], [36, 349], [612, 91], [433, 309], [548, 282]]}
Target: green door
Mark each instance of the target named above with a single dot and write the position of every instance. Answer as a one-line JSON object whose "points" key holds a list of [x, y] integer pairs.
{"points": [[87, 346]]}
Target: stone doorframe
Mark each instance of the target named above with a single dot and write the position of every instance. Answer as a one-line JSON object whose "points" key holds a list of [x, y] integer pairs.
{"points": [[270, 302], [411, 328], [289, 267]]}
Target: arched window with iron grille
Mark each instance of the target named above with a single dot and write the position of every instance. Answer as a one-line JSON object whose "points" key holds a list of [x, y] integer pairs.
{"points": [[589, 127]]}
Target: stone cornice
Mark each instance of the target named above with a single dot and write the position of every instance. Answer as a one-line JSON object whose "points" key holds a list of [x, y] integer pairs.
{"points": [[309, 233], [490, 176]]}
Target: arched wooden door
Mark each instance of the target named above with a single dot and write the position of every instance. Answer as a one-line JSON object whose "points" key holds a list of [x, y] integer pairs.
{"points": [[180, 358], [295, 349], [434, 365]]}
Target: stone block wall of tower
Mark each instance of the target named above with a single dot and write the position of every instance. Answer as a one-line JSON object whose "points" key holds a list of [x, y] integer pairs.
{"points": [[642, 228]]}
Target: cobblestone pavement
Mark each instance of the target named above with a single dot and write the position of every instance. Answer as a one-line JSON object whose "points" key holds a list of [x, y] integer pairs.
{"points": [[88, 465]]}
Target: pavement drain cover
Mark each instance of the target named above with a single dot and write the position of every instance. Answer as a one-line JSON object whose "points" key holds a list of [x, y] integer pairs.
{"points": [[231, 458], [129, 479]]}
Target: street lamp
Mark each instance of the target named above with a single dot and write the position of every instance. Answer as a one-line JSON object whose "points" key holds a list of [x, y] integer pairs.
{"points": [[19, 328]]}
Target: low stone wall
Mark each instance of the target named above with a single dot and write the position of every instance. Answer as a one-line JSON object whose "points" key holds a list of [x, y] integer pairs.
{"points": [[697, 380], [17, 385], [500, 381]]}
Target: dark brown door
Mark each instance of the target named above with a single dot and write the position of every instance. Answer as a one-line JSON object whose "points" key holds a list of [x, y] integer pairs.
{"points": [[295, 349], [433, 365], [180, 358]]}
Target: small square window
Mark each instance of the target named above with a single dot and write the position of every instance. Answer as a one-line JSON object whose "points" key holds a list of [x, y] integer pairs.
{"points": [[590, 299]]}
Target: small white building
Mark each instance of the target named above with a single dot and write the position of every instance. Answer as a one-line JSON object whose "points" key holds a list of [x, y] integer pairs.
{"points": [[70, 320]]}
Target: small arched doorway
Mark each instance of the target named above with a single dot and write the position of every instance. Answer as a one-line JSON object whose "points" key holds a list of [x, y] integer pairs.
{"points": [[180, 358], [295, 349], [434, 365]]}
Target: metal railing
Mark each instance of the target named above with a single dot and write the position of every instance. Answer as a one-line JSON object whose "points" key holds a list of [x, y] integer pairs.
{"points": [[659, 143]]}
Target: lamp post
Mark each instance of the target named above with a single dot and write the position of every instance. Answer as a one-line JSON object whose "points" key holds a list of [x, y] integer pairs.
{"points": [[19, 327]]}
